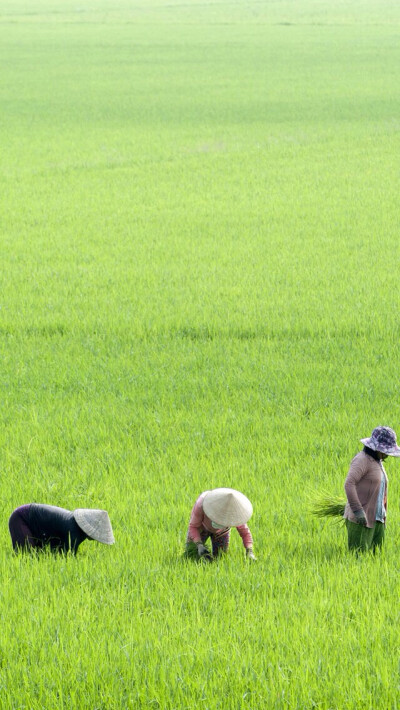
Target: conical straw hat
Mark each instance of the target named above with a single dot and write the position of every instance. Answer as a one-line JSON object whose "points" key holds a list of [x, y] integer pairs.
{"points": [[226, 506], [95, 523]]}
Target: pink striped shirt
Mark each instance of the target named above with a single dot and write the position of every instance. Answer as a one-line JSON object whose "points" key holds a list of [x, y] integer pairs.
{"points": [[199, 522]]}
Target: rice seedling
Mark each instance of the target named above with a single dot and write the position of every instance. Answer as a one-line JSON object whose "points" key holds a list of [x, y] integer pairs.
{"points": [[326, 505]]}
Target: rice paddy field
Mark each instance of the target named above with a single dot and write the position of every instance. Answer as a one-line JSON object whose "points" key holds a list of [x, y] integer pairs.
{"points": [[199, 263]]}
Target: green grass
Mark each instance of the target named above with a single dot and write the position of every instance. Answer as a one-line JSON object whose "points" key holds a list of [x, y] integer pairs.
{"points": [[199, 288]]}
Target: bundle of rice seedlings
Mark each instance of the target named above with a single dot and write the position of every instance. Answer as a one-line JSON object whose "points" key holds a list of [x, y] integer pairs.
{"points": [[328, 505]]}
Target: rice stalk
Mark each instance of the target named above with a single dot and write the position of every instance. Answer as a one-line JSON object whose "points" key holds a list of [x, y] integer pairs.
{"points": [[328, 505]]}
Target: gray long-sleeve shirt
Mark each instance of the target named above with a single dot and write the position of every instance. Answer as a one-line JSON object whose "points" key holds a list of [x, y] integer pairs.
{"points": [[362, 487]]}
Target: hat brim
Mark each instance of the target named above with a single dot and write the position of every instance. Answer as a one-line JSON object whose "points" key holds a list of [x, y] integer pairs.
{"points": [[389, 451]]}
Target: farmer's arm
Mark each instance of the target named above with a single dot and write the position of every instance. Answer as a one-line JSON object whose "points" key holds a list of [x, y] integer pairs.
{"points": [[354, 476], [196, 519], [246, 536]]}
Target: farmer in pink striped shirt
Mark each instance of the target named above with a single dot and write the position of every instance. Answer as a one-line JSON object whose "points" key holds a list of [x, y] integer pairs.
{"points": [[213, 515]]}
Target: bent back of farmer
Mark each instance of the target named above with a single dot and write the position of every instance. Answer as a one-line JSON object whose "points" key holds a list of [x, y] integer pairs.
{"points": [[37, 525], [212, 516]]}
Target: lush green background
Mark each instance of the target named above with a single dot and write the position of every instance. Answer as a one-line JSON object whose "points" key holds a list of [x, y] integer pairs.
{"points": [[199, 288]]}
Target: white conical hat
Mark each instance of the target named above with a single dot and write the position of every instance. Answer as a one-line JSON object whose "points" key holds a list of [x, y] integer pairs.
{"points": [[226, 506], [95, 523]]}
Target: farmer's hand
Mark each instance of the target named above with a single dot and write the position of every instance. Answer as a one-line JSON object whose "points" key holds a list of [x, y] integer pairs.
{"points": [[250, 554], [203, 552], [360, 518]]}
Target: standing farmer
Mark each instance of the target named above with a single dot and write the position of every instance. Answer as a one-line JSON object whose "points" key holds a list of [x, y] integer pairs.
{"points": [[213, 515], [37, 526], [366, 490]]}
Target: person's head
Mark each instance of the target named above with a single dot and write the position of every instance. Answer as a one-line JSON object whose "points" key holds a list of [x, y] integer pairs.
{"points": [[383, 442], [377, 455], [227, 508], [95, 523]]}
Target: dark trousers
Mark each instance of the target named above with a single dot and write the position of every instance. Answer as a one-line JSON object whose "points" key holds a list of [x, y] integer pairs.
{"points": [[361, 539], [219, 544], [21, 534]]}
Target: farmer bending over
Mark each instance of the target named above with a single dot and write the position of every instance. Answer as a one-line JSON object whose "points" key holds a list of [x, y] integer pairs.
{"points": [[37, 526], [366, 490], [214, 514]]}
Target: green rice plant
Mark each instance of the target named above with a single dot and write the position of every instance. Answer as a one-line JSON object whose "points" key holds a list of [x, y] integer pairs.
{"points": [[199, 278]]}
